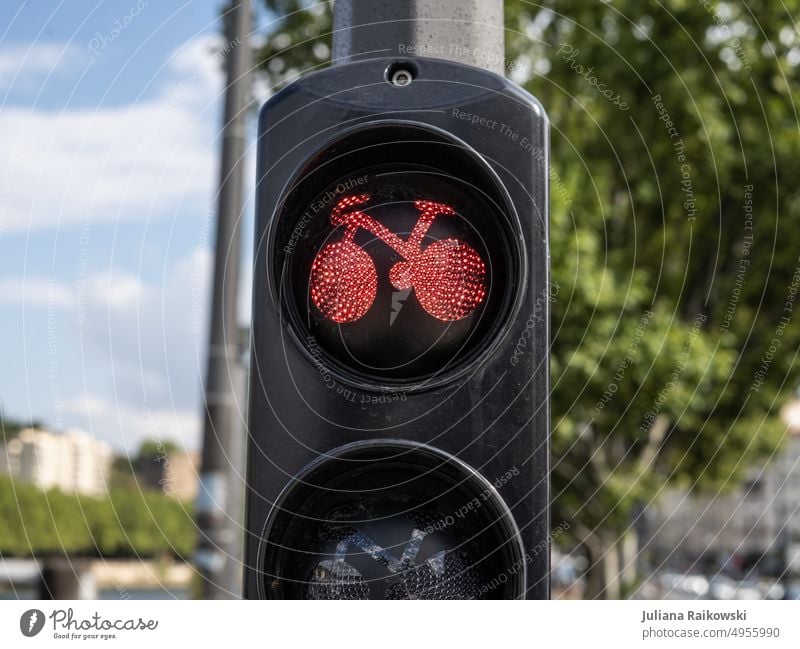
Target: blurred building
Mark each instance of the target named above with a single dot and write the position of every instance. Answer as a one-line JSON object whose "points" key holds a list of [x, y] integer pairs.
{"points": [[759, 521], [72, 461], [174, 473]]}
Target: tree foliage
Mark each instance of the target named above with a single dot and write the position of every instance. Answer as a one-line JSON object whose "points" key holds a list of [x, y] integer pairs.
{"points": [[10, 428], [674, 246], [124, 524], [150, 450]]}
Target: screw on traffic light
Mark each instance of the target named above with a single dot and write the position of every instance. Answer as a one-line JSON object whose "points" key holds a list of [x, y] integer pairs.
{"points": [[398, 430]]}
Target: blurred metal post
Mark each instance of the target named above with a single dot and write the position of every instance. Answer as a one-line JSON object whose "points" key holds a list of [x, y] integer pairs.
{"points": [[66, 578], [215, 518], [467, 31]]}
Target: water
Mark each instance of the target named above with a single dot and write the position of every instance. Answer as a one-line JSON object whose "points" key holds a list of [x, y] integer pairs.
{"points": [[26, 592]]}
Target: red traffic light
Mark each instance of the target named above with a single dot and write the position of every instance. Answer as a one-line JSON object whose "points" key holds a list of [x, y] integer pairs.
{"points": [[448, 277], [395, 257]]}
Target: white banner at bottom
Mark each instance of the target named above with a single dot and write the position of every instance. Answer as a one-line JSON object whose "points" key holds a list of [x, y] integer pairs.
{"points": [[398, 625]]}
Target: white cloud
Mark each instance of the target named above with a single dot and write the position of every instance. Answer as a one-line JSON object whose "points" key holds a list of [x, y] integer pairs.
{"points": [[143, 348], [197, 65], [38, 292], [132, 426], [24, 66], [122, 291], [153, 335], [150, 159], [143, 342]]}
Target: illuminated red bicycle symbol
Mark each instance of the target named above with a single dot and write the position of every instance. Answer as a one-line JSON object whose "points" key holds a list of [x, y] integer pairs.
{"points": [[448, 276]]}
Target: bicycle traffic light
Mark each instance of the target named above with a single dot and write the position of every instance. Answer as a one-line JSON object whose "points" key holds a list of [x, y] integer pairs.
{"points": [[399, 412]]}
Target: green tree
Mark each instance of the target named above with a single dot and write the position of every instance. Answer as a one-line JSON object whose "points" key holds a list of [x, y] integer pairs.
{"points": [[10, 428], [152, 450], [675, 209], [125, 523]]}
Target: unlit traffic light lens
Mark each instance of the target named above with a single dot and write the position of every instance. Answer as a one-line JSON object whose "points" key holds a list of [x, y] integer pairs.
{"points": [[391, 521]]}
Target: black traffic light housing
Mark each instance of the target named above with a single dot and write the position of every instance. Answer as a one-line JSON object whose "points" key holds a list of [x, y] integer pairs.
{"points": [[399, 412]]}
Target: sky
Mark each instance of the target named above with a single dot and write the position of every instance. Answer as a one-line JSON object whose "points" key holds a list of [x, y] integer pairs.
{"points": [[109, 141]]}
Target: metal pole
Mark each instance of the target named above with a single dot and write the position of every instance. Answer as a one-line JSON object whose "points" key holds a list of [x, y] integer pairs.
{"points": [[467, 31], [214, 518], [66, 578]]}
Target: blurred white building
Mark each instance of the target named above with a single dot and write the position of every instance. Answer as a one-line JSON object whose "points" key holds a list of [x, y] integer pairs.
{"points": [[762, 516], [72, 461]]}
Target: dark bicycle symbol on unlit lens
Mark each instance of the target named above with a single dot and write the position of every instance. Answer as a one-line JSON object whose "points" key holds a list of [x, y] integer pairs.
{"points": [[448, 277], [444, 575]]}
